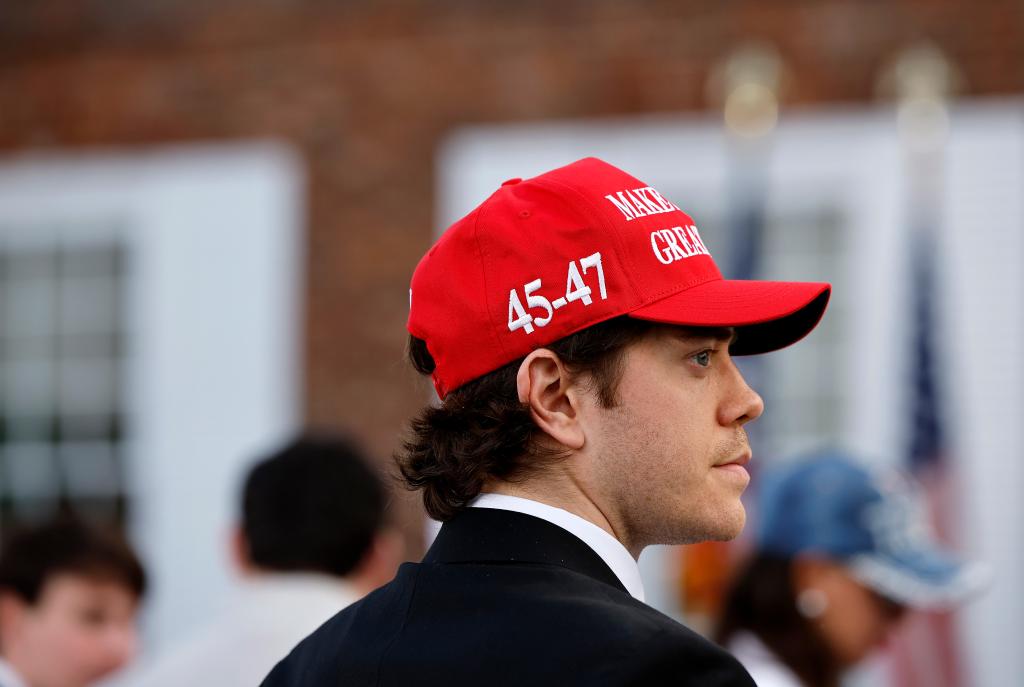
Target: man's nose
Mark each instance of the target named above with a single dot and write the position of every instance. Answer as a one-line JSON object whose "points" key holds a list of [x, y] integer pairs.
{"points": [[742, 404]]}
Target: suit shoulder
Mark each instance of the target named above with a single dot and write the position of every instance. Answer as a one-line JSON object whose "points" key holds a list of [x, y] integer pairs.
{"points": [[651, 648], [558, 617], [655, 649], [679, 656]]}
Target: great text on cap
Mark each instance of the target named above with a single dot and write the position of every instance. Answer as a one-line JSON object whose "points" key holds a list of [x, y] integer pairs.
{"points": [[677, 243]]}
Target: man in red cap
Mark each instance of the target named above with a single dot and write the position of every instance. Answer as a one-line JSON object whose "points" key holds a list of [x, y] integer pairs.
{"points": [[580, 338]]}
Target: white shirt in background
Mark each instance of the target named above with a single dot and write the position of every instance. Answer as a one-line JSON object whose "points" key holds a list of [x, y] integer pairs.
{"points": [[763, 665], [8, 677], [269, 615]]}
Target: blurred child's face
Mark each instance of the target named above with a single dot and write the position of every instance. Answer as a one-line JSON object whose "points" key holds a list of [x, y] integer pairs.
{"points": [[79, 630]]}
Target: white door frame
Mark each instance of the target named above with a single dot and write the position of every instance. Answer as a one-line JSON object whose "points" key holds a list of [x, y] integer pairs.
{"points": [[213, 237]]}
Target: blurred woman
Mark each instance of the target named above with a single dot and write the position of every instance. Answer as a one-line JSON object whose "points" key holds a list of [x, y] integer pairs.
{"points": [[842, 554]]}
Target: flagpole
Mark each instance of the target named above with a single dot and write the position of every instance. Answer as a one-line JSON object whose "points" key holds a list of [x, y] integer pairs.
{"points": [[921, 81]]}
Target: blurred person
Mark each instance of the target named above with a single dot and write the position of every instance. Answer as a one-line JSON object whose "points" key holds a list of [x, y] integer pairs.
{"points": [[69, 594], [312, 540], [580, 338], [842, 554]]}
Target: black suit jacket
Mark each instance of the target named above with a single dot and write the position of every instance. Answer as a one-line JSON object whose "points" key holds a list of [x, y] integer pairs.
{"points": [[504, 598]]}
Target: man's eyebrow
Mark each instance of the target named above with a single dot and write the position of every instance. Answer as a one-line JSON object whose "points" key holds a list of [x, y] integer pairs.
{"points": [[725, 335]]}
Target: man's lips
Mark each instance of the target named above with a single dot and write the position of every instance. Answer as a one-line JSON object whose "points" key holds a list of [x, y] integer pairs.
{"points": [[740, 460]]}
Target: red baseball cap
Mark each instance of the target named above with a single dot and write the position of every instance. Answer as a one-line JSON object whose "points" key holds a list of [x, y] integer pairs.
{"points": [[552, 255]]}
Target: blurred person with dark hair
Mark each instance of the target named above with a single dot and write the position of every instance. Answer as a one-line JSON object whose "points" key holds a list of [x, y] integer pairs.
{"points": [[580, 338], [842, 554], [69, 594], [312, 540]]}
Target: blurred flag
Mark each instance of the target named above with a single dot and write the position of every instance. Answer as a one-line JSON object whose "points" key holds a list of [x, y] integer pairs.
{"points": [[925, 650]]}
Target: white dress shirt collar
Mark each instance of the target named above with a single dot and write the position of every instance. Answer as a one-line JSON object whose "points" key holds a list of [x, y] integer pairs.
{"points": [[610, 549], [763, 665], [8, 676]]}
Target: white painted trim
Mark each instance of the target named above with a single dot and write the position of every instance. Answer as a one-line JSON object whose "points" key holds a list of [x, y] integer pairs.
{"points": [[213, 235]]}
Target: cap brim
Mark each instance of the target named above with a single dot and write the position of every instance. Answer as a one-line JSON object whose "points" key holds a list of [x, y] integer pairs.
{"points": [[767, 315], [922, 579]]}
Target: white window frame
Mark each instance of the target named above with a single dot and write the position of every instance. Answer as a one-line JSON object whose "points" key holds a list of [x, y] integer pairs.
{"points": [[213, 236]]}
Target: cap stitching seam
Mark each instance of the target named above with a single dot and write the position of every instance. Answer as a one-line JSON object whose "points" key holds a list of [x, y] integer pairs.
{"points": [[483, 269], [621, 253], [679, 289]]}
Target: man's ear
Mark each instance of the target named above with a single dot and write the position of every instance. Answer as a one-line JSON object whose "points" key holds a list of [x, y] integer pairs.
{"points": [[545, 385], [238, 550]]}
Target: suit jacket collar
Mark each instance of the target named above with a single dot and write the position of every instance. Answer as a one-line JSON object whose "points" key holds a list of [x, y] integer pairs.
{"points": [[485, 535]]}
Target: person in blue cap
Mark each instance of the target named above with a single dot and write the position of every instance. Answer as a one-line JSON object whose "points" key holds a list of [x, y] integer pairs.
{"points": [[842, 553]]}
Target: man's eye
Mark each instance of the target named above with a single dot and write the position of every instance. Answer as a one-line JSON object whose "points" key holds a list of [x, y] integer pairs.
{"points": [[703, 358]]}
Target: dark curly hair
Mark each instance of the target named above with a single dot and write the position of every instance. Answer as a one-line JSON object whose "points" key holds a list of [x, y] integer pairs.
{"points": [[32, 555], [481, 431]]}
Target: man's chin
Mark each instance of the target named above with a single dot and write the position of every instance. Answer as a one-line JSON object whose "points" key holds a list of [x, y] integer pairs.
{"points": [[725, 526], [730, 526]]}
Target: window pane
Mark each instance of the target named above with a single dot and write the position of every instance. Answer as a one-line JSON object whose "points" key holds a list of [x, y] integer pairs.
{"points": [[91, 469], [87, 387], [88, 305], [61, 359], [30, 308], [32, 471], [29, 386]]}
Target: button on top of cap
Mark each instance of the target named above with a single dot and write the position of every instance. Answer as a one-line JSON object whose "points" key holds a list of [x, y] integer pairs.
{"points": [[513, 180]]}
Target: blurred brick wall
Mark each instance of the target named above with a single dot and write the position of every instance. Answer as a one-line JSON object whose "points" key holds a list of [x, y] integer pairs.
{"points": [[367, 90]]}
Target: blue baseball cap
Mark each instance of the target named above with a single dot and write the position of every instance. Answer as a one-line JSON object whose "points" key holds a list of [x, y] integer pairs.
{"points": [[874, 522]]}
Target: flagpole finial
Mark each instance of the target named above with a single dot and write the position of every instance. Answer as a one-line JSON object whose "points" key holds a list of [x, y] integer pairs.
{"points": [[921, 80], [746, 84]]}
